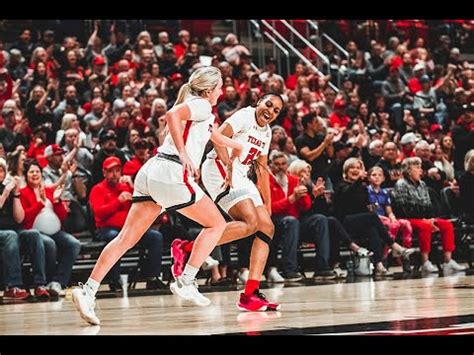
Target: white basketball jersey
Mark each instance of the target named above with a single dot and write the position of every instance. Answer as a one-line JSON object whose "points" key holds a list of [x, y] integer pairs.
{"points": [[254, 139], [196, 131]]}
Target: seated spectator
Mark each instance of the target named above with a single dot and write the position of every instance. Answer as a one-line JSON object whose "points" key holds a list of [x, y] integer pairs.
{"points": [[342, 151], [412, 201], [315, 147], [381, 204], [339, 118], [408, 142], [111, 200], [390, 166], [374, 153], [14, 238], [425, 101], [12, 133], [61, 171], [38, 144], [352, 208], [157, 123], [278, 132], [83, 157], [230, 104], [16, 164], [466, 185], [463, 136], [233, 50], [288, 148], [270, 73], [289, 200], [142, 154], [38, 107], [320, 205], [132, 135], [6, 86], [70, 120], [45, 211], [100, 116], [108, 148], [442, 163], [432, 176], [395, 92], [69, 104]]}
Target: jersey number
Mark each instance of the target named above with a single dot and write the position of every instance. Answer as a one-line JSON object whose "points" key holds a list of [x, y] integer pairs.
{"points": [[253, 154]]}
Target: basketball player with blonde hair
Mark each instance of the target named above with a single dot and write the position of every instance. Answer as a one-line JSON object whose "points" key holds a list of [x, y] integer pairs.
{"points": [[168, 182]]}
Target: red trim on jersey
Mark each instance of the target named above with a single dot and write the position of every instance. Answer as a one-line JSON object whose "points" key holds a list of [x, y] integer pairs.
{"points": [[220, 167], [188, 185], [186, 130]]}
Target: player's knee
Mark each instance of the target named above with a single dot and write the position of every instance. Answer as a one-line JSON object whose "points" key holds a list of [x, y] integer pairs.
{"points": [[252, 224], [269, 229], [218, 224]]}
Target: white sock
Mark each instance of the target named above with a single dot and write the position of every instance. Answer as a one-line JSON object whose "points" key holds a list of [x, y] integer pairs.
{"points": [[92, 286], [189, 274]]}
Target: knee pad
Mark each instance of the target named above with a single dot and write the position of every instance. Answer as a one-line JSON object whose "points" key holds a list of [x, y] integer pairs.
{"points": [[263, 237]]}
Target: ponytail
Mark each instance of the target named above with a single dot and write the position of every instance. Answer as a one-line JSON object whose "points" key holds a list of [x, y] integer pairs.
{"points": [[183, 92]]}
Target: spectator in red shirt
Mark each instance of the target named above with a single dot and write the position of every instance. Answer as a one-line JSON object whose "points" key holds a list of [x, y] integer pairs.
{"points": [[181, 48], [291, 202], [38, 145], [414, 83], [142, 154], [293, 78], [6, 86], [339, 118], [45, 212], [111, 200]]}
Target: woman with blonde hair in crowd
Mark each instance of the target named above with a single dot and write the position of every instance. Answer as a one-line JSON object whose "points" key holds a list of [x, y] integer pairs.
{"points": [[320, 204], [157, 120], [70, 120], [352, 209]]}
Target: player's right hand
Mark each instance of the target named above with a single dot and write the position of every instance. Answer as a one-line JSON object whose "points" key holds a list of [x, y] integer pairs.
{"points": [[188, 166], [228, 178]]}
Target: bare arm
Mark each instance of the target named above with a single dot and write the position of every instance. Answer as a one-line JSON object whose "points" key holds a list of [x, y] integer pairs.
{"points": [[218, 137], [173, 118], [222, 153], [390, 213], [77, 182], [4, 196], [18, 211], [12, 188], [310, 155], [43, 99], [105, 120]]}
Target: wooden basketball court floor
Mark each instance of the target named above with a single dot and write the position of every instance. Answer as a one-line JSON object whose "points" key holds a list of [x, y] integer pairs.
{"points": [[434, 305]]}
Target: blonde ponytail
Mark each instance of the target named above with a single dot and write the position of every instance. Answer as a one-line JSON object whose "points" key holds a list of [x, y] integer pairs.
{"points": [[204, 78], [183, 92]]}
